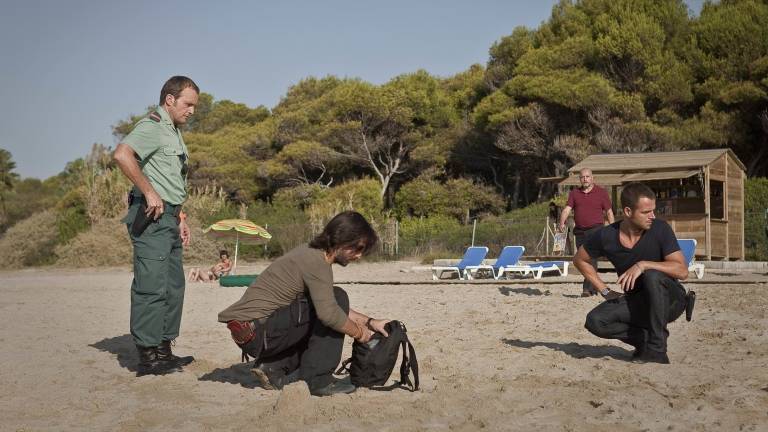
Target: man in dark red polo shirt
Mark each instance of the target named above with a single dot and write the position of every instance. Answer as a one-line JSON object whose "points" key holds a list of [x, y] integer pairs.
{"points": [[592, 206]]}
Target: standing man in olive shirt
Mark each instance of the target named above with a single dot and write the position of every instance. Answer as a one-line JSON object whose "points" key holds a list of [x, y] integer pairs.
{"points": [[292, 319], [592, 207], [154, 157]]}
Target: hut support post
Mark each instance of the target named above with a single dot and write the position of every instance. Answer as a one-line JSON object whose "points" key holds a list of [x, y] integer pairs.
{"points": [[707, 215]]}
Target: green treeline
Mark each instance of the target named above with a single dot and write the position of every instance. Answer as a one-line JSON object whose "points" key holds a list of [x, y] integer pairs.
{"points": [[599, 76]]}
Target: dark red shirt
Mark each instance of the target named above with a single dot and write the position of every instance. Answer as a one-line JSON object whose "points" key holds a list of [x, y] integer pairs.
{"points": [[589, 207]]}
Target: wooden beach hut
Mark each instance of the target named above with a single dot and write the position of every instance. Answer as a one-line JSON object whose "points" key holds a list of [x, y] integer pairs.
{"points": [[699, 192]]}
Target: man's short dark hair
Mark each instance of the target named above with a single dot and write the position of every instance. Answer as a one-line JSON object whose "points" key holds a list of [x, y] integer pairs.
{"points": [[632, 192], [223, 252], [346, 229], [175, 85]]}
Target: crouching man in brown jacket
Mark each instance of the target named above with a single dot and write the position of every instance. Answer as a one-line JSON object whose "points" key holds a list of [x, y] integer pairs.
{"points": [[292, 319]]}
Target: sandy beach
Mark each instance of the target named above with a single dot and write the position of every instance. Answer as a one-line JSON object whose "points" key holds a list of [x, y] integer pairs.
{"points": [[508, 356]]}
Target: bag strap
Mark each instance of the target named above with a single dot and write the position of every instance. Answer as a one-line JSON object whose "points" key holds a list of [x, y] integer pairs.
{"points": [[409, 364], [344, 368]]}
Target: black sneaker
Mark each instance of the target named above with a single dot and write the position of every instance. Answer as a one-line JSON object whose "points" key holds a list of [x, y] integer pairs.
{"points": [[336, 387], [650, 356]]}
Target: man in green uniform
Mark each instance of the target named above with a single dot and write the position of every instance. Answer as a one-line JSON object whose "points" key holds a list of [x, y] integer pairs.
{"points": [[154, 157]]}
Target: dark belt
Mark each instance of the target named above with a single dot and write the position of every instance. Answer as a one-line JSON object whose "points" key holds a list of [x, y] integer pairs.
{"points": [[585, 229], [172, 209]]}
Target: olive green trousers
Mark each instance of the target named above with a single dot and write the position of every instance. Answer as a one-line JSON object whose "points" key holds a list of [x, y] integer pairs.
{"points": [[157, 291]]}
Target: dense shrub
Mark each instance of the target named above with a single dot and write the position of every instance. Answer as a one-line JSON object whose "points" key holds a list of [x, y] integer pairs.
{"points": [[442, 236], [105, 195], [30, 242], [363, 196], [106, 243], [755, 223], [28, 196], [437, 236], [460, 198], [71, 216], [288, 225]]}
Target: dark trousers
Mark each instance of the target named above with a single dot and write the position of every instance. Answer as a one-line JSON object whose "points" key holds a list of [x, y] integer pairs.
{"points": [[294, 338], [157, 290], [581, 235], [640, 318]]}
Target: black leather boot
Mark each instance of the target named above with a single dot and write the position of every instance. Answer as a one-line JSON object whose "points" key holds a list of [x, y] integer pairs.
{"points": [[150, 364], [164, 354]]}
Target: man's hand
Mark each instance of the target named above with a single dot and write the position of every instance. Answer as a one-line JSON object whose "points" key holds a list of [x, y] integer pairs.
{"points": [[627, 279], [564, 218], [185, 233], [154, 205], [365, 335], [355, 329], [611, 295], [377, 325]]}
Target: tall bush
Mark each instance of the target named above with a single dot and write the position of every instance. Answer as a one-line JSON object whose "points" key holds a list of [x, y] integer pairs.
{"points": [[460, 198], [755, 223], [362, 196], [30, 242]]}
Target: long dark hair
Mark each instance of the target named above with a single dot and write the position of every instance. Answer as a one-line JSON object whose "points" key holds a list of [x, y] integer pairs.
{"points": [[346, 229]]}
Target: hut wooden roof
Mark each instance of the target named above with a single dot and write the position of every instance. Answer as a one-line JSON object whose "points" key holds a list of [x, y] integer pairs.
{"points": [[618, 162]]}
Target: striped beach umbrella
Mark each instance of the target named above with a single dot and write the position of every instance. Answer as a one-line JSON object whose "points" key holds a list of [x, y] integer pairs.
{"points": [[239, 231]]}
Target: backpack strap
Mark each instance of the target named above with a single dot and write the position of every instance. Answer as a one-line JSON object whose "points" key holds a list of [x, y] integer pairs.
{"points": [[344, 368], [409, 364]]}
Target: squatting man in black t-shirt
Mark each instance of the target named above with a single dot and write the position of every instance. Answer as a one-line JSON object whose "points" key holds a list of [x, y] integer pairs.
{"points": [[649, 263]]}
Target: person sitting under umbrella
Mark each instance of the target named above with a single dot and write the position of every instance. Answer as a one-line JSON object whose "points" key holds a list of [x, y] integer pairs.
{"points": [[221, 268]]}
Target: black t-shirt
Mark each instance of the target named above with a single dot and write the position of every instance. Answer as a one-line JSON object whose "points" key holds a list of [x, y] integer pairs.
{"points": [[655, 244]]}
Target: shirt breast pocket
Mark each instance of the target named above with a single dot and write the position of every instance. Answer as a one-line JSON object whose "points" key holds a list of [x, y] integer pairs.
{"points": [[172, 158]]}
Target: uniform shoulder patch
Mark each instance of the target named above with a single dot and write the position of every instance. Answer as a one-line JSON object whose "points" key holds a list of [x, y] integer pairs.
{"points": [[154, 116]]}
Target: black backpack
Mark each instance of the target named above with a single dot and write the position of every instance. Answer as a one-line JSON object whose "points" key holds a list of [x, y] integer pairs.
{"points": [[371, 363]]}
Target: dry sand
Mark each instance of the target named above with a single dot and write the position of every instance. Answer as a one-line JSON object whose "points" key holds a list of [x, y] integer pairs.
{"points": [[510, 356]]}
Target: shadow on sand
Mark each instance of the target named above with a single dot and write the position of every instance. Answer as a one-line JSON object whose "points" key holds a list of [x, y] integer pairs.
{"points": [[575, 350], [507, 291], [121, 346], [125, 350], [239, 373]]}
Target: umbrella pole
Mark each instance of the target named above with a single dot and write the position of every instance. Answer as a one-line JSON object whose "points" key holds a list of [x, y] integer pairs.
{"points": [[237, 243]]}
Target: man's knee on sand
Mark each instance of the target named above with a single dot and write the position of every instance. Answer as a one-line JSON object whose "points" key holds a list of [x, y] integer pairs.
{"points": [[595, 324]]}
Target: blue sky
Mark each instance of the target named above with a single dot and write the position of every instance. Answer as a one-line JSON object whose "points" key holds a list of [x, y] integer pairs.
{"points": [[71, 69]]}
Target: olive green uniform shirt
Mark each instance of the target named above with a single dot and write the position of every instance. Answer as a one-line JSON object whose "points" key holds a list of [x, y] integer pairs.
{"points": [[303, 269], [162, 155]]}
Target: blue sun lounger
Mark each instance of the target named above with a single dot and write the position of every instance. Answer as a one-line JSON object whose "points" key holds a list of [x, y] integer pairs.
{"points": [[473, 257], [509, 256], [688, 248]]}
